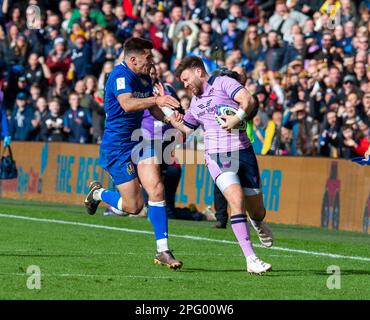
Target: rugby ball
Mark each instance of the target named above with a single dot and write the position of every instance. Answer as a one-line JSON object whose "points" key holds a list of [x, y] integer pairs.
{"points": [[224, 110]]}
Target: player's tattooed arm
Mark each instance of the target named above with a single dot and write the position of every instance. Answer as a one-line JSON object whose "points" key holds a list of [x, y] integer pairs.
{"points": [[132, 104], [247, 107]]}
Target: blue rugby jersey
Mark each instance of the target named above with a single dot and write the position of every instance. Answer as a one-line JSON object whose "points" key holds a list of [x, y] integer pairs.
{"points": [[119, 124]]}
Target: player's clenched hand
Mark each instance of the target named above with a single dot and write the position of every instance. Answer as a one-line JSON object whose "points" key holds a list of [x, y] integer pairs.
{"points": [[230, 122], [178, 116], [175, 119], [167, 101]]}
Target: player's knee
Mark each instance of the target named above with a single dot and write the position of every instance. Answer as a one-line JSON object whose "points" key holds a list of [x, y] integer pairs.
{"points": [[135, 208], [138, 210], [236, 201]]}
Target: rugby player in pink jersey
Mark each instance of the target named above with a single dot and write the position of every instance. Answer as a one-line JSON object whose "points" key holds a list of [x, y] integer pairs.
{"points": [[222, 106]]}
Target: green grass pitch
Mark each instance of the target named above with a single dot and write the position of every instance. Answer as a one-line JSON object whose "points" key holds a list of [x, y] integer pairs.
{"points": [[80, 262]]}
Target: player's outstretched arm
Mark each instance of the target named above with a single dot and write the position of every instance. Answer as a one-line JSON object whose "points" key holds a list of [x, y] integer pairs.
{"points": [[132, 104], [163, 114]]}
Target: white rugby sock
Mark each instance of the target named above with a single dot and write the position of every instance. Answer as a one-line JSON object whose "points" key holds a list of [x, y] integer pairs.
{"points": [[162, 245], [97, 194]]}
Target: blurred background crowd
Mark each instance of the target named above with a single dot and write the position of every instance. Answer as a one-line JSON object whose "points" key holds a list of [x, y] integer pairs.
{"points": [[307, 61]]}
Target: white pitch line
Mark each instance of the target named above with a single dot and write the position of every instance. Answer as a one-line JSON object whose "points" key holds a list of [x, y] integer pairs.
{"points": [[96, 226], [71, 275]]}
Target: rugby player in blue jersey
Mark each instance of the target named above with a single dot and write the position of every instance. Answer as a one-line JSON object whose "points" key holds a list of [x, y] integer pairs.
{"points": [[129, 91]]}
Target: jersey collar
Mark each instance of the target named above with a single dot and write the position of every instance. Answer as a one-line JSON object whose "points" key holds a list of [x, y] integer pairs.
{"points": [[211, 80]]}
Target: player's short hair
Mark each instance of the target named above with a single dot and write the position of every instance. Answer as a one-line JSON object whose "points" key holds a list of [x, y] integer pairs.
{"points": [[136, 45], [189, 63]]}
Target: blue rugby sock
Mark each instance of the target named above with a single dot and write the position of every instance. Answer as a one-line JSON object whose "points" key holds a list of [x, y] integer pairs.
{"points": [[113, 198], [158, 217]]}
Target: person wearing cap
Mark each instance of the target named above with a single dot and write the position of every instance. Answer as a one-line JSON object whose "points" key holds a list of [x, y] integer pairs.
{"points": [[296, 119], [22, 84], [21, 128], [45, 41], [211, 26], [81, 58], [233, 36], [235, 15], [59, 59], [349, 85]]}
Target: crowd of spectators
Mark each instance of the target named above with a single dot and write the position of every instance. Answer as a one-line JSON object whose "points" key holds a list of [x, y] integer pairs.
{"points": [[307, 61]]}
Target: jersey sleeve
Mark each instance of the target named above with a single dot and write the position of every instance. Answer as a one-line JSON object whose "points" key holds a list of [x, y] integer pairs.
{"points": [[190, 121], [122, 83], [229, 85]]}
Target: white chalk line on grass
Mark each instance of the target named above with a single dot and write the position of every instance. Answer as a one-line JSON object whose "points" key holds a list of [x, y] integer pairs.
{"points": [[71, 275], [74, 254], [96, 226]]}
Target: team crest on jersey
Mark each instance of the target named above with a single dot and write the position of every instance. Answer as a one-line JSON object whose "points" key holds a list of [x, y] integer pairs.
{"points": [[130, 168], [224, 110], [144, 82], [121, 83]]}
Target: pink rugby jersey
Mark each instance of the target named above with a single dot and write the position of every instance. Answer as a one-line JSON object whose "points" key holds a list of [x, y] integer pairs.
{"points": [[217, 98]]}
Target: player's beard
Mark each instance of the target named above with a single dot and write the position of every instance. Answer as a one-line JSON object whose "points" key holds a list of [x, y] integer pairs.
{"points": [[197, 87]]}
